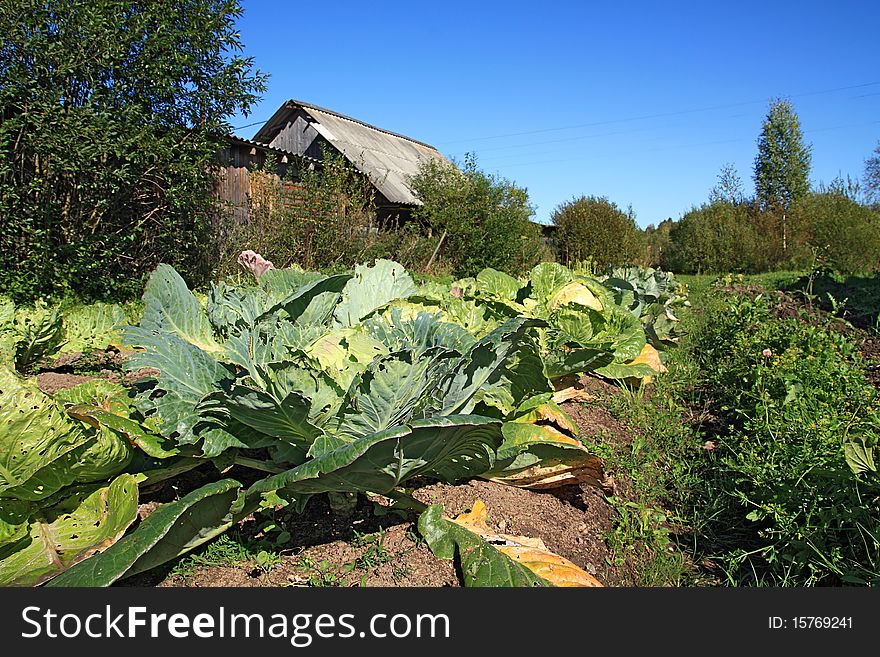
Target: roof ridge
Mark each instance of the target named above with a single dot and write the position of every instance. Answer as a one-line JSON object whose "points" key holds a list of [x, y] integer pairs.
{"points": [[358, 121]]}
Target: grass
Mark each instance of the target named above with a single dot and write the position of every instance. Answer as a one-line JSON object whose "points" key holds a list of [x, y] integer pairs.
{"points": [[739, 457], [649, 528], [228, 549], [375, 554]]}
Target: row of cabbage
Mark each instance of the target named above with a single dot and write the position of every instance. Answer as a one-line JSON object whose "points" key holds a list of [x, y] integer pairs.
{"points": [[342, 384]]}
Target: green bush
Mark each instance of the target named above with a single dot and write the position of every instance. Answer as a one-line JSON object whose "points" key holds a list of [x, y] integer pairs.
{"points": [[594, 228], [784, 506], [486, 220], [828, 226], [714, 238], [845, 234], [110, 117]]}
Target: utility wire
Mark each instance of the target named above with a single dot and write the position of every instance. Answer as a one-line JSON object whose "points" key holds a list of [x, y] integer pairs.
{"points": [[656, 116], [242, 127], [681, 146]]}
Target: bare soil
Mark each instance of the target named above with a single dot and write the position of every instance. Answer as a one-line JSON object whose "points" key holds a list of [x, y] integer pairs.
{"points": [[52, 382]]}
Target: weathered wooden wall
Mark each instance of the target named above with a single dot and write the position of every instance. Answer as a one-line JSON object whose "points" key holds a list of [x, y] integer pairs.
{"points": [[298, 135], [232, 186]]}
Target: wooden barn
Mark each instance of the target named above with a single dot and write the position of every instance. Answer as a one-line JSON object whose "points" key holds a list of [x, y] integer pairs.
{"points": [[238, 159], [388, 159]]}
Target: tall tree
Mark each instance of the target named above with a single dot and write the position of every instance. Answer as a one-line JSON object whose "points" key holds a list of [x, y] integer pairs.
{"points": [[782, 166], [111, 113]]}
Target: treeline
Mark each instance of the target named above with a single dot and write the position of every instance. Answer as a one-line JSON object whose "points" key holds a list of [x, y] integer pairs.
{"points": [[785, 225], [825, 229], [829, 228], [111, 116]]}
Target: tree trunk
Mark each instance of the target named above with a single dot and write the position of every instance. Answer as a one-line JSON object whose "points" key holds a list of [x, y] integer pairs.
{"points": [[784, 235]]}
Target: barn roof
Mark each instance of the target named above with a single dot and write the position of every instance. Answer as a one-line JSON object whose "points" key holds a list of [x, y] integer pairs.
{"points": [[387, 158]]}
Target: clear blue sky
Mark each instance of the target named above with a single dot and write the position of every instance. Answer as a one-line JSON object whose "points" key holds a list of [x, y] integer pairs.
{"points": [[643, 102]]}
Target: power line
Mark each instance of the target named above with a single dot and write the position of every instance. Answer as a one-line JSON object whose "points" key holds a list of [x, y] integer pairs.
{"points": [[656, 116], [242, 127], [681, 146]]}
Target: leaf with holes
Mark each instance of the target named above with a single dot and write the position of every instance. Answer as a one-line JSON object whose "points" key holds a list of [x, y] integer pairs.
{"points": [[171, 530], [88, 520]]}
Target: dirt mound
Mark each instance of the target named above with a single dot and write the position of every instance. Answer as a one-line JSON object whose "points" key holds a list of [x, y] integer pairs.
{"points": [[52, 382]]}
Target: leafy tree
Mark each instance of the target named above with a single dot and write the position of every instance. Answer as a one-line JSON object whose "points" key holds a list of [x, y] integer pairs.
{"points": [[717, 237], [844, 234], [782, 166], [477, 219], [729, 187], [872, 176], [658, 241], [594, 228], [111, 113]]}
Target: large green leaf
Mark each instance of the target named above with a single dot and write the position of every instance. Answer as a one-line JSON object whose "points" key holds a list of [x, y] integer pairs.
{"points": [[300, 376], [484, 365], [498, 284], [393, 390], [482, 565], [133, 432], [186, 375], [344, 353], [298, 302], [232, 309], [370, 289], [449, 449], [625, 333], [521, 377], [286, 419], [267, 344], [171, 530], [112, 397], [546, 279], [319, 310], [107, 408], [577, 323], [474, 317], [91, 519], [171, 308], [424, 331], [859, 454], [526, 445], [281, 283], [625, 371], [563, 361]]}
